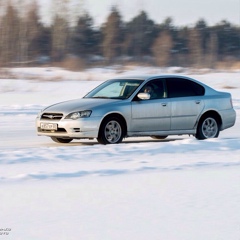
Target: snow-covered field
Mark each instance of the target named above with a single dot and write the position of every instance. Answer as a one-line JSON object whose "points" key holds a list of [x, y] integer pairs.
{"points": [[143, 189]]}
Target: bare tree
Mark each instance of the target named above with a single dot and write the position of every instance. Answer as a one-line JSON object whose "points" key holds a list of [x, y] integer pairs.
{"points": [[195, 48], [18, 28], [59, 38], [60, 29], [9, 30], [162, 48], [212, 49], [112, 36]]}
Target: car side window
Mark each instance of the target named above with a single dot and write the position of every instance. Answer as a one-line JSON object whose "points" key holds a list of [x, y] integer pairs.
{"points": [[180, 87], [155, 88]]}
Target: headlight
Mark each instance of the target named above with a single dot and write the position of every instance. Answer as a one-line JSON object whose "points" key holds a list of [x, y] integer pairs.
{"points": [[81, 114]]}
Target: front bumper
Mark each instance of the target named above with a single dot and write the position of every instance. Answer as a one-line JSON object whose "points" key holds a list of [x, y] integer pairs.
{"points": [[68, 128]]}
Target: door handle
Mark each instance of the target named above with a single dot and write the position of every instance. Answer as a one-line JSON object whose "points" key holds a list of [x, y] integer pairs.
{"points": [[197, 101], [164, 104]]}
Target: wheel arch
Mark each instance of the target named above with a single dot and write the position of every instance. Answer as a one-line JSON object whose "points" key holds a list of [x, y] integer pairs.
{"points": [[119, 116], [212, 113]]}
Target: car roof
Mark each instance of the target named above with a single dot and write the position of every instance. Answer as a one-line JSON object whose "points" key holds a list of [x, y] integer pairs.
{"points": [[148, 77]]}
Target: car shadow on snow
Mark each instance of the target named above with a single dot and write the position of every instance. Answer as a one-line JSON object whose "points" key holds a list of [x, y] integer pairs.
{"points": [[125, 141]]}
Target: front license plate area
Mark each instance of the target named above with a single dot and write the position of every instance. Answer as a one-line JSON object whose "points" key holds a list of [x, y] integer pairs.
{"points": [[48, 126]]}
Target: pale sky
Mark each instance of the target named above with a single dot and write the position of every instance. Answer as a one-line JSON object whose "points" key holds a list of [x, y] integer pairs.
{"points": [[183, 12]]}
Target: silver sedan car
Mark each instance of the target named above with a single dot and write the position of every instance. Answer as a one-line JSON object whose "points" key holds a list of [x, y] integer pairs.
{"points": [[155, 106]]}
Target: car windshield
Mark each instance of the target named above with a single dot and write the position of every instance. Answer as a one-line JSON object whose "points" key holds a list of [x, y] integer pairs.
{"points": [[115, 89]]}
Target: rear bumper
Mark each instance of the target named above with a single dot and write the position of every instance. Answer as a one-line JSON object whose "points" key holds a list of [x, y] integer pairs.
{"points": [[228, 118]]}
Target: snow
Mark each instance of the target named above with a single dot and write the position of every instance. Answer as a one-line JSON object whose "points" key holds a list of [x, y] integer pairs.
{"points": [[175, 189]]}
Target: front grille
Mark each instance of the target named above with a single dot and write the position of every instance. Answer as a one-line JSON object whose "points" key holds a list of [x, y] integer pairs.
{"points": [[51, 116], [59, 130]]}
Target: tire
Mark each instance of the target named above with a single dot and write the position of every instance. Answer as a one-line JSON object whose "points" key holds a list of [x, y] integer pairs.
{"points": [[61, 140], [111, 131], [158, 137], [208, 127]]}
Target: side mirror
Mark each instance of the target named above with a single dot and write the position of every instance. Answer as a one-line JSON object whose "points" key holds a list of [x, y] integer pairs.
{"points": [[144, 96]]}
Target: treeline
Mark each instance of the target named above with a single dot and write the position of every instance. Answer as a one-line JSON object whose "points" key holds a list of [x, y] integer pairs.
{"points": [[25, 40]]}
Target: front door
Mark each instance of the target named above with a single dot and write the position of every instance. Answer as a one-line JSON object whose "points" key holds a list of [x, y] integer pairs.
{"points": [[152, 114]]}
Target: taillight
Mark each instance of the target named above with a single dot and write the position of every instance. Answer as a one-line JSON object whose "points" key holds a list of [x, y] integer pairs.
{"points": [[231, 102]]}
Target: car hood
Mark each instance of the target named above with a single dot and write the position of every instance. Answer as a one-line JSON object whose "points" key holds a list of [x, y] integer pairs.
{"points": [[79, 105]]}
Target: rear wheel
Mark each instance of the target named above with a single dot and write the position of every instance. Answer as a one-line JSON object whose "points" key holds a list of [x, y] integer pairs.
{"points": [[61, 140], [208, 127], [159, 137], [111, 131]]}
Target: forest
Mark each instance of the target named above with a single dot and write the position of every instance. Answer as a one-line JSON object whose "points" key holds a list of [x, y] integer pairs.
{"points": [[26, 41]]}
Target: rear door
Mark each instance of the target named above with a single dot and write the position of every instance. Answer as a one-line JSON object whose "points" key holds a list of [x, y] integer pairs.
{"points": [[187, 102]]}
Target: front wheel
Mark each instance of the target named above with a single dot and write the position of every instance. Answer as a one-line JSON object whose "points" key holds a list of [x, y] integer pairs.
{"points": [[61, 140], [208, 127], [111, 131]]}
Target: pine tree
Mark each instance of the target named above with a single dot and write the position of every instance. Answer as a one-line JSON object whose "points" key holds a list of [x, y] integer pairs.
{"points": [[140, 35], [84, 39]]}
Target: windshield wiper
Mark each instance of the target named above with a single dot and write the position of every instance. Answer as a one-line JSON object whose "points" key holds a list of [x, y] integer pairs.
{"points": [[100, 97], [104, 97]]}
